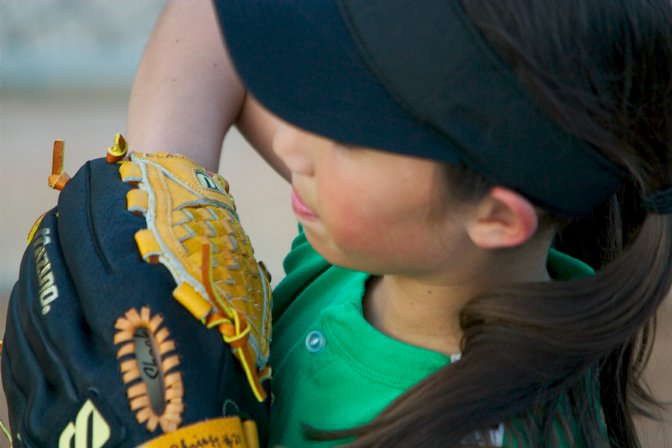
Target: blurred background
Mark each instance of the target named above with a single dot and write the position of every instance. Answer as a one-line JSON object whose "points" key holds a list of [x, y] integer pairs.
{"points": [[66, 69]]}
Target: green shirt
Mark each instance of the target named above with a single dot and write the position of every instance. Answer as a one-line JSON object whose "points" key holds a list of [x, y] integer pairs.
{"points": [[332, 369]]}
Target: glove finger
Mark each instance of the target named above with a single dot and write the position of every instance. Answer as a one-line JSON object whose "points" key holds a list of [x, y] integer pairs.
{"points": [[90, 355], [98, 236], [36, 379]]}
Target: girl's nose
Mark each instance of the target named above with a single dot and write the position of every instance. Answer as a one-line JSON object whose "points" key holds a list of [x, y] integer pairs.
{"points": [[292, 146]]}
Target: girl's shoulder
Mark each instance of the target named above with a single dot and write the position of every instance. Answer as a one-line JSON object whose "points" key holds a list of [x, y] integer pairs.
{"points": [[302, 265]]}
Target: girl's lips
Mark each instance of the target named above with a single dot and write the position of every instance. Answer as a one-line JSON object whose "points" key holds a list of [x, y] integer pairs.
{"points": [[300, 208]]}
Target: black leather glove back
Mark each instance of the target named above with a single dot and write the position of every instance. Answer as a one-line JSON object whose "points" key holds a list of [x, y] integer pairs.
{"points": [[96, 351]]}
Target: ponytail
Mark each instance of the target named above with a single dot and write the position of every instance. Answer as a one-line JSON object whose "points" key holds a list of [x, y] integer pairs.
{"points": [[534, 353], [646, 269], [557, 362]]}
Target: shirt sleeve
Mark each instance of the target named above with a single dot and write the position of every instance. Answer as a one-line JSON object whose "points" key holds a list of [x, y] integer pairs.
{"points": [[302, 266]]}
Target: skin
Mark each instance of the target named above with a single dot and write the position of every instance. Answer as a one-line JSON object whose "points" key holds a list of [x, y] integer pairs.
{"points": [[186, 102], [359, 206], [186, 96]]}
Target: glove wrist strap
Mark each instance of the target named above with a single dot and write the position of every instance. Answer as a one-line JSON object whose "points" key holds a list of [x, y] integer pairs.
{"points": [[223, 431]]}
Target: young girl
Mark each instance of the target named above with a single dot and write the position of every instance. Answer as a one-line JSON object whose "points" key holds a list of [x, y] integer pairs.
{"points": [[438, 151]]}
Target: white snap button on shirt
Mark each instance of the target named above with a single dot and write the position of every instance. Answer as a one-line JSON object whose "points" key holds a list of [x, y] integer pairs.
{"points": [[315, 342]]}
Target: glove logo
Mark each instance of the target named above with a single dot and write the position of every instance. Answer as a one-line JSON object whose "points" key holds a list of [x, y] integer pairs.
{"points": [[48, 291], [207, 181], [89, 430], [148, 366]]}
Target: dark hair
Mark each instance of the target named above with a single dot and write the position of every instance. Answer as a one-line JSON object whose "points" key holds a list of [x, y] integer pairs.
{"points": [[536, 356]]}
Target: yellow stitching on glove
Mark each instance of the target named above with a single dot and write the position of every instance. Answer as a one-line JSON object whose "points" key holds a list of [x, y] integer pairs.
{"points": [[149, 247], [6, 433], [154, 411], [33, 229], [117, 151], [130, 172], [192, 301], [193, 229], [137, 201], [235, 333], [59, 178], [251, 433]]}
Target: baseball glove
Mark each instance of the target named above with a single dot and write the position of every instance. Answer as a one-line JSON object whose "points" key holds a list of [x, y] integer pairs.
{"points": [[140, 317]]}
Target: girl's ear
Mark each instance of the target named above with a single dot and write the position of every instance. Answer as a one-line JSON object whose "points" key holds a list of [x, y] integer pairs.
{"points": [[503, 219]]}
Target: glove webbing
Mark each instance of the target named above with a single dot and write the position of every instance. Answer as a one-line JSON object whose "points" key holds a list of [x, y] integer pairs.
{"points": [[192, 229]]}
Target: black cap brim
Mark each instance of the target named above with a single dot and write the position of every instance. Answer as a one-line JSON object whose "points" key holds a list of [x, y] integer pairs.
{"points": [[414, 78]]}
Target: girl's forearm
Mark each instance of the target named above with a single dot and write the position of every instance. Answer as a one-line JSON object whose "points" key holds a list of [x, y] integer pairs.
{"points": [[185, 95]]}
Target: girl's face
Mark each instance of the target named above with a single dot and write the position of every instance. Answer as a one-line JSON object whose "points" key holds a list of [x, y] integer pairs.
{"points": [[372, 210]]}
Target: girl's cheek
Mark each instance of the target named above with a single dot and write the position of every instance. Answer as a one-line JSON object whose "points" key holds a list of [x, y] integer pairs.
{"points": [[346, 225], [356, 234]]}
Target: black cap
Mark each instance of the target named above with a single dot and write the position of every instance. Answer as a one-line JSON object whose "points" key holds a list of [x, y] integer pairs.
{"points": [[411, 77]]}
